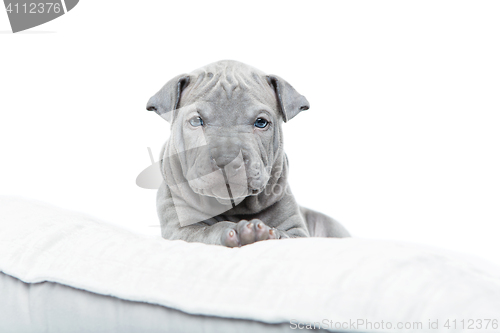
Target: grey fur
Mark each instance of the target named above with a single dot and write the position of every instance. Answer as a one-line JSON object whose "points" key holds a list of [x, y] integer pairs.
{"points": [[225, 181]]}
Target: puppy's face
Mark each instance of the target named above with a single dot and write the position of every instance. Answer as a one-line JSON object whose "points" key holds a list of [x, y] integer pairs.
{"points": [[227, 137], [226, 127]]}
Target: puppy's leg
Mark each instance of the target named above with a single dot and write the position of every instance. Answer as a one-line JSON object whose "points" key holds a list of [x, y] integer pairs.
{"points": [[285, 216], [225, 233], [212, 231], [321, 225]]}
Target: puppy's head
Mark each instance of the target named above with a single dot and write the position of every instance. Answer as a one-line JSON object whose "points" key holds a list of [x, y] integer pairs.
{"points": [[226, 127]]}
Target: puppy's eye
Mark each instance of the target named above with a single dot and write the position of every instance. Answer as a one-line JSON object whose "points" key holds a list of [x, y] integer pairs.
{"points": [[196, 121], [261, 123]]}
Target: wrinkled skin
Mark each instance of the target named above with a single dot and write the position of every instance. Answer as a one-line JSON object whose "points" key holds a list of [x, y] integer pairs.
{"points": [[224, 167]]}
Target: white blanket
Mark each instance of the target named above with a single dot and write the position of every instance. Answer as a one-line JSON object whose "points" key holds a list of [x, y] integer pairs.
{"points": [[329, 281]]}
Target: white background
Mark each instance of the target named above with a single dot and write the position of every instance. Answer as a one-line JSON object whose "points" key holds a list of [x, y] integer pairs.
{"points": [[401, 142]]}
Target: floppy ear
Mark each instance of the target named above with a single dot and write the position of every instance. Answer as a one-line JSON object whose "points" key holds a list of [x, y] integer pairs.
{"points": [[167, 99], [289, 100]]}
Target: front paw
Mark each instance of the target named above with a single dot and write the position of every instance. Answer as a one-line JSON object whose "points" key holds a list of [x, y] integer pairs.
{"points": [[230, 238], [247, 232]]}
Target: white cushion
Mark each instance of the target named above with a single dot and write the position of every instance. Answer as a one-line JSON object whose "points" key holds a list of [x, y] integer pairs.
{"points": [[305, 280]]}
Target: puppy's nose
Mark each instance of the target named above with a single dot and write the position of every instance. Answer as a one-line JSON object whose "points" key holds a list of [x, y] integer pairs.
{"points": [[227, 156], [232, 162]]}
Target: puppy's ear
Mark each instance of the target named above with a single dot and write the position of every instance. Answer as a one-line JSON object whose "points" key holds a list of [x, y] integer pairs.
{"points": [[289, 100], [166, 101]]}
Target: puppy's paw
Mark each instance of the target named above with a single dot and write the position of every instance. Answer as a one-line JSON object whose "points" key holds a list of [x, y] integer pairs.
{"points": [[248, 232], [230, 238]]}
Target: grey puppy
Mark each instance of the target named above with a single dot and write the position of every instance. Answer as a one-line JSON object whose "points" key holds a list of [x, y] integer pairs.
{"points": [[224, 168]]}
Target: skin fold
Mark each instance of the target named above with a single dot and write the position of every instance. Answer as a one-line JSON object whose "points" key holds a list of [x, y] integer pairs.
{"points": [[224, 168]]}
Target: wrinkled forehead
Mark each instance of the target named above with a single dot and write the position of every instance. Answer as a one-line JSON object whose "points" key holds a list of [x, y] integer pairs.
{"points": [[225, 87]]}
